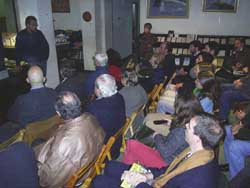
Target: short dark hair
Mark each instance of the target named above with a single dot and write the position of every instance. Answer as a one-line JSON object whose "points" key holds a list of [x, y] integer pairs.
{"points": [[29, 18], [68, 105], [208, 129], [213, 46], [196, 44], [148, 25], [207, 57]]}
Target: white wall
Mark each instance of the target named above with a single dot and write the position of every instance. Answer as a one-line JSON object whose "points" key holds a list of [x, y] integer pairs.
{"points": [[202, 22], [69, 20]]}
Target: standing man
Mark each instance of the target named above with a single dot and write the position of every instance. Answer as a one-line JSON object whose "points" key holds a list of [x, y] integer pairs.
{"points": [[31, 45]]}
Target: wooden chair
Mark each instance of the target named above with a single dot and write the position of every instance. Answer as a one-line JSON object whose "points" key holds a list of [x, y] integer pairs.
{"points": [[100, 163], [41, 129], [19, 136], [155, 98], [150, 95]]}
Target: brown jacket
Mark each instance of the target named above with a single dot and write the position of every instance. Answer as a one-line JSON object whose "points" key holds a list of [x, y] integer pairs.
{"points": [[76, 143]]}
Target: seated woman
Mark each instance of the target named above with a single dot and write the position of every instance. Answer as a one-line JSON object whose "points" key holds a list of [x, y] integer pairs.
{"points": [[133, 93], [237, 141], [174, 143], [207, 90], [194, 167]]}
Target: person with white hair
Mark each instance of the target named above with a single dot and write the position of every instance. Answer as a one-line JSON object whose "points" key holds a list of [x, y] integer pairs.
{"points": [[100, 60], [108, 108]]}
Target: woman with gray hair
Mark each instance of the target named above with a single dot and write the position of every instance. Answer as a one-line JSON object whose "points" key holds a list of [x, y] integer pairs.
{"points": [[133, 93], [108, 108]]}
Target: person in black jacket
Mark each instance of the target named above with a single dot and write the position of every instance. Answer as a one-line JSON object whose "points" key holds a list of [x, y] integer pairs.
{"points": [[31, 45]]}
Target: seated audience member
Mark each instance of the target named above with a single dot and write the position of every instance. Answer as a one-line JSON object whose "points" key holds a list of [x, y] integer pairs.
{"points": [[75, 143], [232, 93], [207, 90], [174, 143], [163, 50], [212, 48], [133, 93], [18, 167], [114, 64], [195, 48], [158, 72], [237, 142], [203, 62], [72, 81], [225, 74], [37, 105], [194, 167], [101, 61], [108, 108], [240, 55]]}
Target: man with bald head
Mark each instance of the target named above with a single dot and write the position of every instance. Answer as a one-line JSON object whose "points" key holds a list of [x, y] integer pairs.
{"points": [[36, 105]]}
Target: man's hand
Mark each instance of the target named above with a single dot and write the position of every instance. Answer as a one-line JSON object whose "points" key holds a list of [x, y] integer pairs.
{"points": [[235, 129], [134, 178]]}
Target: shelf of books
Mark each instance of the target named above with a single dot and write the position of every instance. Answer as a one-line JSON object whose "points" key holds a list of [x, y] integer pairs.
{"points": [[180, 42]]}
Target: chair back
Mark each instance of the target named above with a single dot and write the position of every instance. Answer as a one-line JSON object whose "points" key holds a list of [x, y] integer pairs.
{"points": [[41, 129], [18, 137], [150, 95]]}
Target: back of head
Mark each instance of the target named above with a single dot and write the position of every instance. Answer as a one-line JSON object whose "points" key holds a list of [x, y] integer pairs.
{"points": [[35, 76], [29, 18], [186, 106], [106, 86], [101, 59], [67, 71], [214, 47], [68, 105], [210, 86], [196, 44], [129, 78], [114, 58], [208, 129], [207, 57], [148, 25]]}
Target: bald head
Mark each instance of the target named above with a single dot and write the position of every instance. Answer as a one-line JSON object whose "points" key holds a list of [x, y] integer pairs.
{"points": [[35, 76]]}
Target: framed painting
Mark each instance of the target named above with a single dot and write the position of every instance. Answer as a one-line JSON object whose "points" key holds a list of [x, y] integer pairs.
{"points": [[220, 5], [60, 5], [167, 8]]}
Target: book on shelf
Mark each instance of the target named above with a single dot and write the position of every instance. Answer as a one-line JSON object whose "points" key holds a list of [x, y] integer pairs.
{"points": [[222, 53], [184, 40], [205, 40], [177, 61], [217, 40], [185, 51], [158, 39], [212, 39], [179, 50], [174, 51], [200, 39], [223, 41], [231, 40], [178, 40], [186, 61], [162, 39], [169, 39], [173, 40], [247, 41]]}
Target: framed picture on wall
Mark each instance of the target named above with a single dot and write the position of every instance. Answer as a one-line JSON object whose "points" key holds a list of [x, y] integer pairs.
{"points": [[167, 8], [220, 5], [60, 6]]}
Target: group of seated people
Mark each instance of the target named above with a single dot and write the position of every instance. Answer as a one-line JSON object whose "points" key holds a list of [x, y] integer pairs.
{"points": [[95, 110]]}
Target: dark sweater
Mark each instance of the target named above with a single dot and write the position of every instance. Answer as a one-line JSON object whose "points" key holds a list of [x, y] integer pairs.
{"points": [[110, 112], [36, 105], [32, 45], [18, 167]]}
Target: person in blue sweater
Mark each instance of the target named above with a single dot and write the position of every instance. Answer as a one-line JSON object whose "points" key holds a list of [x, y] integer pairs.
{"points": [[101, 61], [194, 167], [31, 45], [18, 167], [109, 109]]}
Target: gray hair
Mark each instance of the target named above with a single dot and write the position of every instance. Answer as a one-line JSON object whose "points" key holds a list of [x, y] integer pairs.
{"points": [[106, 84], [102, 59], [208, 129], [130, 77]]}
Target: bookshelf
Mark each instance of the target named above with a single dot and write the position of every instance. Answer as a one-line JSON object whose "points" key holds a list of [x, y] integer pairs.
{"points": [[180, 42]]}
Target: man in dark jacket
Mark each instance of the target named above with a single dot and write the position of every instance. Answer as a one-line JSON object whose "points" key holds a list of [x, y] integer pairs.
{"points": [[108, 108], [18, 167], [31, 45], [36, 105]]}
